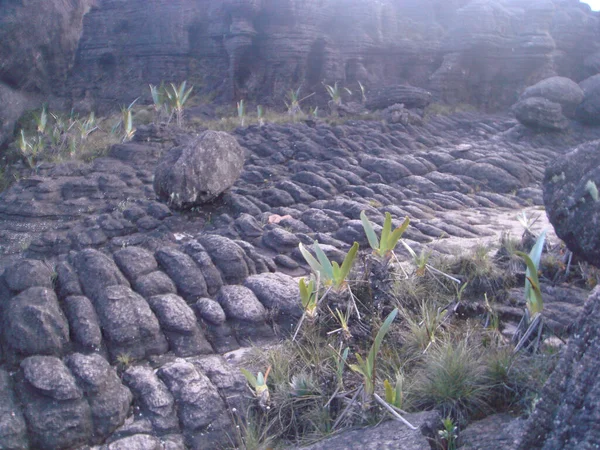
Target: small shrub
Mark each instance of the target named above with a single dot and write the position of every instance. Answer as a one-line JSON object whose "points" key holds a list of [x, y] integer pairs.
{"points": [[452, 378]]}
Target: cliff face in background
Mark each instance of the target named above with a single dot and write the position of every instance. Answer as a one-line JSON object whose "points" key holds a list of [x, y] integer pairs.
{"points": [[38, 44], [482, 52]]}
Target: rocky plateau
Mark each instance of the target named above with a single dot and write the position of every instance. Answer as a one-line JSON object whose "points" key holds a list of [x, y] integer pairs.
{"points": [[122, 310]]}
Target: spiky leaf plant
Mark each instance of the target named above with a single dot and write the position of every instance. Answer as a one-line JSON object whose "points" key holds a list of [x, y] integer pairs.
{"points": [[385, 245]]}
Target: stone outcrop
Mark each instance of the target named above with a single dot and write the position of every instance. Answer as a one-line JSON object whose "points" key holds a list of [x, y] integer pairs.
{"points": [[478, 52], [135, 303], [200, 171], [568, 413], [572, 199], [540, 113], [589, 109], [561, 90]]}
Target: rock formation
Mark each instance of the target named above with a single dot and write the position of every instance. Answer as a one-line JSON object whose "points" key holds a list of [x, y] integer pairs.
{"points": [[200, 171], [572, 199], [128, 285], [478, 52]]}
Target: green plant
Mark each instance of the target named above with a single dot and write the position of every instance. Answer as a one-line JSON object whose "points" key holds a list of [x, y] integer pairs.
{"points": [[363, 96], [177, 98], [394, 395], [342, 319], [385, 245], [159, 97], [527, 222], [533, 293], [87, 126], [449, 434], [241, 111], [331, 274], [452, 378], [293, 101], [127, 123], [259, 385], [340, 360], [368, 367], [41, 120], [424, 328], [260, 115], [336, 93], [124, 359], [308, 297]]}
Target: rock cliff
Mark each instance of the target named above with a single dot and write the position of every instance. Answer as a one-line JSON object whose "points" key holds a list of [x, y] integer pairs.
{"points": [[482, 52]]}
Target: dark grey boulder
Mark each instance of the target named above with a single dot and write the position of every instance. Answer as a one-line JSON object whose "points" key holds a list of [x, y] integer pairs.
{"points": [[227, 256], [388, 435], [136, 442], [240, 303], [561, 90], [279, 239], [13, 430], [389, 169], [97, 272], [154, 283], [202, 412], [538, 112], [179, 325], [568, 413], [67, 281], [411, 97], [58, 416], [184, 272], [199, 171], [128, 324], [211, 274], [28, 273], [108, 398], [34, 324], [83, 322], [153, 398], [51, 377], [500, 431], [210, 311], [135, 262], [589, 110], [319, 221], [571, 186], [276, 291]]}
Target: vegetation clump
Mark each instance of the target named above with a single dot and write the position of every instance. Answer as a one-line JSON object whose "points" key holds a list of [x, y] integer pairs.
{"points": [[354, 360]]}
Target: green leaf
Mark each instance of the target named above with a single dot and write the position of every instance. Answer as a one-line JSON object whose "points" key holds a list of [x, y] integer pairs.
{"points": [[357, 369], [349, 261], [250, 377], [260, 379], [536, 252], [397, 234], [385, 233], [385, 327], [389, 392], [369, 231], [185, 97], [312, 262], [533, 293], [325, 263]]}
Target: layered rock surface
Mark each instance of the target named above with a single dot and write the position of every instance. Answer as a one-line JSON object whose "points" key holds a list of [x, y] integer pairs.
{"points": [[479, 52], [98, 275]]}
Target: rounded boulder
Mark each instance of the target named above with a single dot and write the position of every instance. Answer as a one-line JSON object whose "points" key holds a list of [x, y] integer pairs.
{"points": [[561, 90], [199, 171], [572, 199]]}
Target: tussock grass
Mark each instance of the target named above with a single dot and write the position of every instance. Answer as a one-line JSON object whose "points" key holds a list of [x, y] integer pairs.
{"points": [[452, 378]]}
